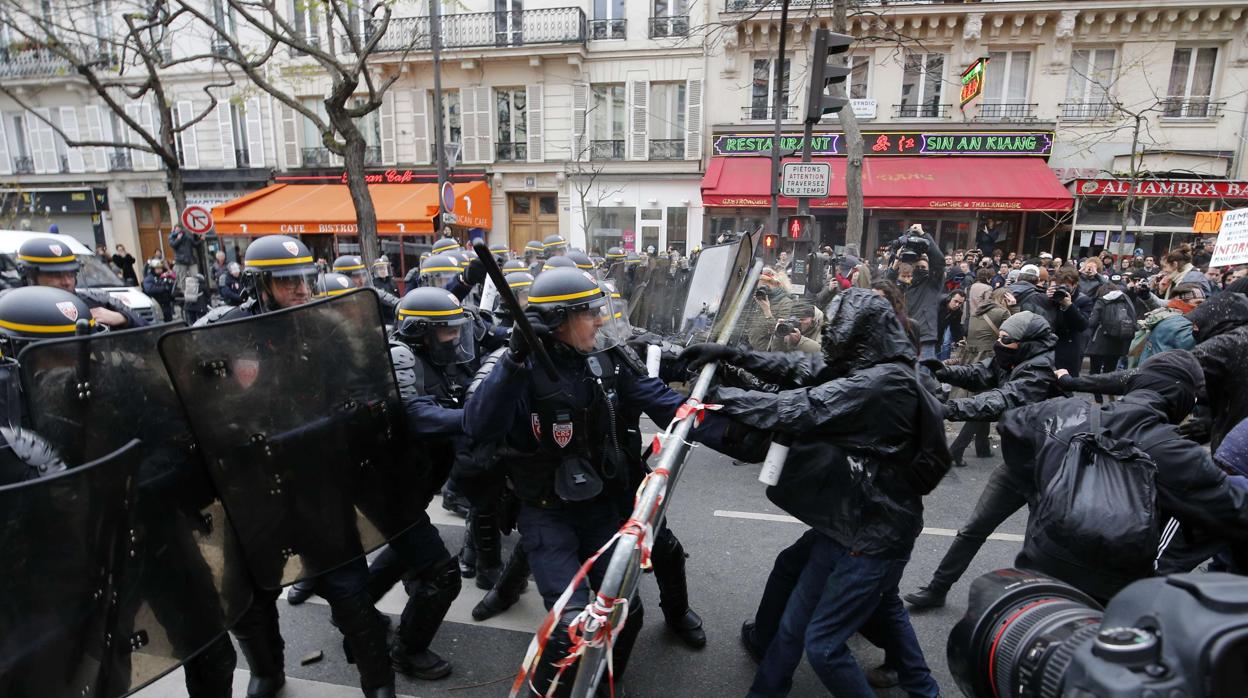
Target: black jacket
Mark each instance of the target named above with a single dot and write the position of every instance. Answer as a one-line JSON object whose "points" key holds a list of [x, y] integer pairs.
{"points": [[1190, 487], [924, 293], [852, 413], [1000, 389], [1101, 344]]}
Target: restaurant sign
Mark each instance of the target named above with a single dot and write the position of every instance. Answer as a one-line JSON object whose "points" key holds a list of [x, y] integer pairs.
{"points": [[1178, 188], [988, 143], [973, 81]]}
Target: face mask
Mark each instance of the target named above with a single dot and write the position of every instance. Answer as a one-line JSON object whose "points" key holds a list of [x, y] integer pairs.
{"points": [[1005, 356]]}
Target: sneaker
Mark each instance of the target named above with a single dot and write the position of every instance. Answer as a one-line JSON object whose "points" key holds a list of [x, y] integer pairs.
{"points": [[926, 597], [882, 677]]}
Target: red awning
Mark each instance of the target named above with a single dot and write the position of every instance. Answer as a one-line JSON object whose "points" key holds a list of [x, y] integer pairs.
{"points": [[951, 183]]}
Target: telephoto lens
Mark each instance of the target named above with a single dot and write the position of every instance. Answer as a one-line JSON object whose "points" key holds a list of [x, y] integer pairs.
{"points": [[1020, 632]]}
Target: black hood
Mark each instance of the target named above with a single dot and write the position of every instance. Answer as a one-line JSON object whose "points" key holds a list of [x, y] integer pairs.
{"points": [[862, 330], [1174, 375], [1035, 338], [1219, 315]]}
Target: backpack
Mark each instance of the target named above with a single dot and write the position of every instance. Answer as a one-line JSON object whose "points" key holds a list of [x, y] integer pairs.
{"points": [[932, 458], [1098, 508], [1117, 321]]}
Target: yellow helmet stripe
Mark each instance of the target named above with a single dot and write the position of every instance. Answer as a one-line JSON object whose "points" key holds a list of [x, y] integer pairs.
{"points": [[338, 292], [554, 244], [353, 267], [278, 262], [403, 312], [520, 284], [429, 269], [42, 329], [584, 266], [45, 260], [567, 296]]}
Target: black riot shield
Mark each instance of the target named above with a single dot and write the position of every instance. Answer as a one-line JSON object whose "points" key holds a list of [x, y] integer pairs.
{"points": [[185, 581], [298, 415], [700, 309]]}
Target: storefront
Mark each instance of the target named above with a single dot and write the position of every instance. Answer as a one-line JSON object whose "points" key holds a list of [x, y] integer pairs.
{"points": [[211, 188], [637, 214], [953, 183], [75, 211], [1160, 217]]}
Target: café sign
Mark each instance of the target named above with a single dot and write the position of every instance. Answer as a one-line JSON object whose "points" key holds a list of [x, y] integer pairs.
{"points": [[987, 143], [1178, 188]]}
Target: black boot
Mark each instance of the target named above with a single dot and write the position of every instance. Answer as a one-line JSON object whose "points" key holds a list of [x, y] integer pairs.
{"points": [[453, 501], [487, 542], [930, 596], [364, 640], [300, 591], [668, 558], [260, 639], [556, 649], [429, 598], [210, 674], [511, 584], [467, 557]]}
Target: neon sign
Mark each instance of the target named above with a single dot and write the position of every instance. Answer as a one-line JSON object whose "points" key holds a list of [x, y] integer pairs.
{"points": [[973, 81]]}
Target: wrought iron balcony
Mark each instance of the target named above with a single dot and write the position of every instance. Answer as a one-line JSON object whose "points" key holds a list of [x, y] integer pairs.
{"points": [[1191, 108], [1085, 111], [602, 29], [28, 63], [662, 27], [921, 111], [23, 164], [316, 157], [556, 25], [1010, 111], [606, 150], [119, 161], [760, 112], [222, 49], [756, 5], [511, 151], [372, 155], [667, 149]]}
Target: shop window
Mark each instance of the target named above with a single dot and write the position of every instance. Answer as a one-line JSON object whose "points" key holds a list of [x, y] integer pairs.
{"points": [[921, 85], [860, 72], [611, 226], [1087, 88], [1107, 211], [762, 91], [512, 135], [651, 214], [677, 228], [1191, 83], [1173, 212]]}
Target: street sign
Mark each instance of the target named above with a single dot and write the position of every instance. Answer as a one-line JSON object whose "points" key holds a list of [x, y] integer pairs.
{"points": [[805, 179], [197, 219], [448, 197]]}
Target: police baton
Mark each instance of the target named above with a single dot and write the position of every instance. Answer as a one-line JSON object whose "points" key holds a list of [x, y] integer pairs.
{"points": [[517, 313]]}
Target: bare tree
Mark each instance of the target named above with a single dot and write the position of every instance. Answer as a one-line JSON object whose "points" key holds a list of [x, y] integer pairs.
{"points": [[584, 173]]}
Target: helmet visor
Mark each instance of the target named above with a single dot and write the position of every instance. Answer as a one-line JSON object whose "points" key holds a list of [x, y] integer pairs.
{"points": [[438, 279], [291, 287], [450, 344]]}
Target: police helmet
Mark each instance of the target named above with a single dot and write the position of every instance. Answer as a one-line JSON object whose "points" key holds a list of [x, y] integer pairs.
{"points": [[464, 258], [519, 283], [438, 270], [533, 248], [444, 245], [514, 265], [33, 313], [333, 284], [353, 267], [560, 262], [562, 290], [632, 258], [500, 251], [46, 254], [554, 244], [615, 254], [581, 259], [277, 257], [426, 309]]}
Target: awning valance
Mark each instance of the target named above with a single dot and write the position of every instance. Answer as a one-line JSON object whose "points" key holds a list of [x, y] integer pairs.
{"points": [[298, 209]]}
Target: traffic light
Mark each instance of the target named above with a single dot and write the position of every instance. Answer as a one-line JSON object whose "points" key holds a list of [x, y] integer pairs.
{"points": [[769, 241], [824, 76], [799, 227]]}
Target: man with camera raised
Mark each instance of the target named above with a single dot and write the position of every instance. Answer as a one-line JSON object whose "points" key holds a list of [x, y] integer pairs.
{"points": [[918, 267]]}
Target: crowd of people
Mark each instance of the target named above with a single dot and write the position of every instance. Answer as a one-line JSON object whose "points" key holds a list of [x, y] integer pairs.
{"points": [[539, 431]]}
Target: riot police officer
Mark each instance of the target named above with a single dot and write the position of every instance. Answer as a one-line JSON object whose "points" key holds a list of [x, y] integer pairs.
{"points": [[445, 245], [533, 255], [280, 272], [50, 262], [383, 275], [580, 259], [514, 265], [564, 440], [554, 245], [501, 252], [560, 262], [333, 284], [354, 268]]}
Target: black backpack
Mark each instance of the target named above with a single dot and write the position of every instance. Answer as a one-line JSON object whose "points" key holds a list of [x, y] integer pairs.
{"points": [[932, 458], [1117, 319], [1098, 507]]}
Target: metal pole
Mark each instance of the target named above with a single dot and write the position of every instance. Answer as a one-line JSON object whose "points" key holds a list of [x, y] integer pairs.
{"points": [[620, 579], [439, 145], [777, 110]]}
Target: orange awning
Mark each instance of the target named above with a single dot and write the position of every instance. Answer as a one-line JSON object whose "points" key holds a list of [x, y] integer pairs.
{"points": [[300, 209]]}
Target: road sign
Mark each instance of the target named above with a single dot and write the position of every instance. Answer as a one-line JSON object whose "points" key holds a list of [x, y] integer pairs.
{"points": [[197, 219], [448, 196], [805, 179]]}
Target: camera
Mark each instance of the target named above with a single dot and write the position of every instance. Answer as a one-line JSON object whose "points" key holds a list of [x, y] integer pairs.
{"points": [[1025, 634], [760, 294], [910, 248], [1060, 294], [785, 329]]}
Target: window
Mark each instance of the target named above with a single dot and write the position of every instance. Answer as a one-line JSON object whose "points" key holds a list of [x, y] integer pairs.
{"points": [[677, 228], [303, 14], [762, 93], [512, 135], [608, 21], [667, 120], [860, 71], [452, 120], [1005, 86], [370, 127], [612, 227], [1191, 82], [921, 85], [358, 15], [607, 123], [1087, 88], [670, 18], [238, 125]]}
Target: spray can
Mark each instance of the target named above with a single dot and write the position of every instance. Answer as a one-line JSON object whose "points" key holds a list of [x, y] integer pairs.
{"points": [[654, 358], [773, 464]]}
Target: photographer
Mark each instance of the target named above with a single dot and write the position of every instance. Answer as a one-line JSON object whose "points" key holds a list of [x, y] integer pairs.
{"points": [[790, 338], [918, 267], [771, 302]]}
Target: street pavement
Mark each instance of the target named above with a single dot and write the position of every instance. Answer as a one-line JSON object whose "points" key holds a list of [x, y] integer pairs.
{"points": [[731, 532]]}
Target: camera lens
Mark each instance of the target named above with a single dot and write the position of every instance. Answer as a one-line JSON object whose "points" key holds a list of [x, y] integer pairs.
{"points": [[1019, 634]]}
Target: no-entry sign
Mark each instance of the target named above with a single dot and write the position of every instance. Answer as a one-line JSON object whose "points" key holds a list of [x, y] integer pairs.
{"points": [[197, 219], [805, 179]]}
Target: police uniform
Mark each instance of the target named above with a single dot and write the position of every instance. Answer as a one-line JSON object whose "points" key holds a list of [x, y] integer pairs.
{"points": [[353, 267], [39, 255]]}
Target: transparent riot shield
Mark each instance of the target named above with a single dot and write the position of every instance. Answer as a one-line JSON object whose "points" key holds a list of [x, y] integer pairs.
{"points": [[185, 581], [691, 308], [298, 416]]}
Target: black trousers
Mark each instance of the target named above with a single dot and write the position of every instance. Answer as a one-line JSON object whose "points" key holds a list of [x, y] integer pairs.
{"points": [[977, 431], [1004, 494], [1101, 364]]}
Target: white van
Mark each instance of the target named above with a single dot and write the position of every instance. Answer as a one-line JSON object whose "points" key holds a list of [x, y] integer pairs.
{"points": [[92, 274]]}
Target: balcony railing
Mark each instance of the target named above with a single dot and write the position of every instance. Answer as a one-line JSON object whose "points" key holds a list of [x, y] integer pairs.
{"points": [[23, 164], [556, 25], [1196, 108], [222, 49], [761, 113], [34, 62], [606, 150], [1007, 112], [755, 5], [372, 155], [119, 161], [661, 27], [602, 29], [317, 157], [921, 111], [667, 149], [511, 151], [1085, 111]]}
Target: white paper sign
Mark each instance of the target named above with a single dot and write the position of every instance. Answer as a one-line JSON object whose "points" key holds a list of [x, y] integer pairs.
{"points": [[805, 179], [1232, 245]]}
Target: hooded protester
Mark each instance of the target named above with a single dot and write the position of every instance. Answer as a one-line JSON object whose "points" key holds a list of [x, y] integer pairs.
{"points": [[856, 422], [1189, 486], [1111, 326]]}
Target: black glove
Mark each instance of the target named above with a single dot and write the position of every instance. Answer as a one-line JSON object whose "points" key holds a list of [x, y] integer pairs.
{"points": [[704, 353], [936, 366], [517, 346], [475, 273], [1197, 428], [1067, 382]]}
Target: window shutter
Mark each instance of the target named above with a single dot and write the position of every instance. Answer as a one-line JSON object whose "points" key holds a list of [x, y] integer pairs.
{"points": [[580, 106], [420, 125], [225, 127], [190, 145], [255, 133], [535, 123], [69, 126], [6, 165], [387, 128], [468, 124], [639, 147], [95, 132], [693, 119], [147, 161], [485, 131], [290, 137], [43, 142]]}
